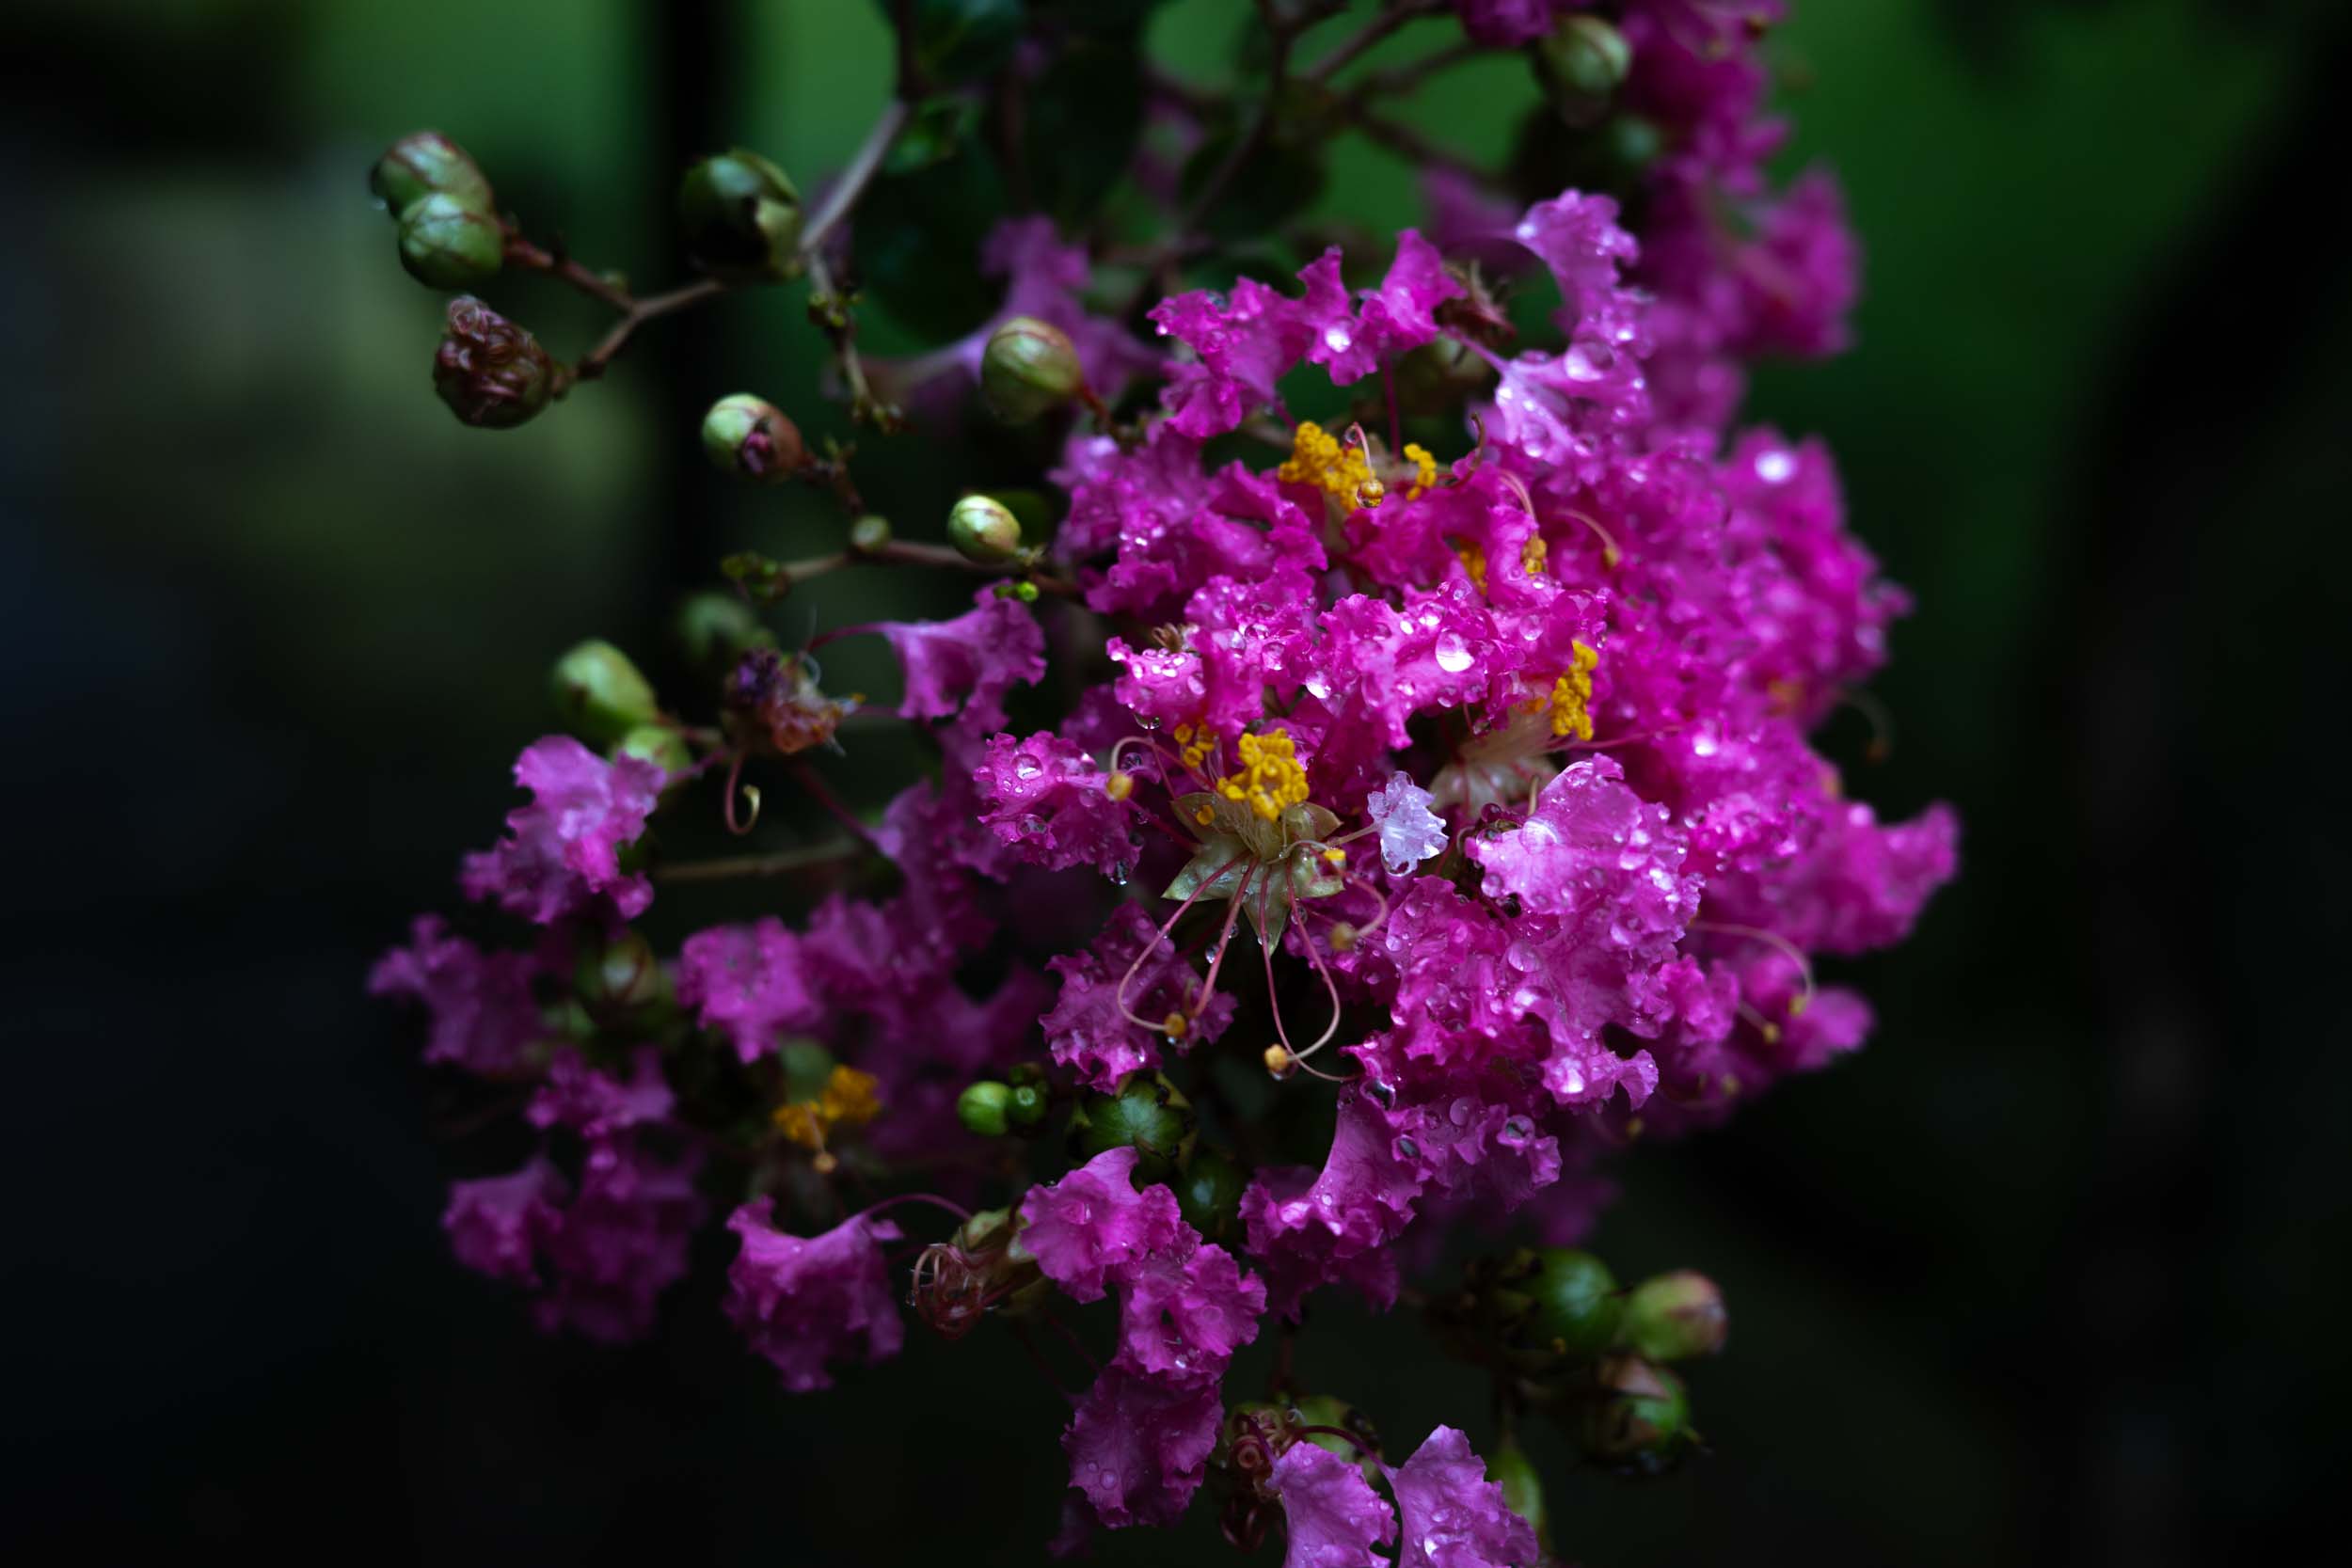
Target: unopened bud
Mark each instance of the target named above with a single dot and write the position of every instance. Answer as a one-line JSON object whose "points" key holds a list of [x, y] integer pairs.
{"points": [[491, 373], [659, 745], [618, 975], [982, 1108], [741, 216], [599, 694], [1637, 1417], [425, 163], [869, 534], [1575, 1301], [1028, 1105], [751, 436], [716, 628], [447, 245], [1674, 1317], [1509, 1467], [1029, 367], [1147, 1114], [1588, 56], [984, 531]]}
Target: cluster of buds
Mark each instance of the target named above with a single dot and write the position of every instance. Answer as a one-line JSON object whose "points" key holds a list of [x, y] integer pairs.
{"points": [[450, 236], [1560, 1335]]}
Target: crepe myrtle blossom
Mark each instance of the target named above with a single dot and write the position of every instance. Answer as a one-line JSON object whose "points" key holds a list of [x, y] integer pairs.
{"points": [[1379, 775]]}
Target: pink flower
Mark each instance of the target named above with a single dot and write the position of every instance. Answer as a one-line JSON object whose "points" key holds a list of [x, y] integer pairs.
{"points": [[562, 853], [804, 1300], [1091, 1031], [1139, 1445], [1331, 1514], [748, 982], [497, 1225], [967, 664], [1453, 1516], [483, 1015], [1091, 1224], [1046, 800]]}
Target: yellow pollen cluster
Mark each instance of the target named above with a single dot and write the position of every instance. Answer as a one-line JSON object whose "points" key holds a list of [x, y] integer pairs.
{"points": [[1532, 558], [1269, 779], [1474, 563], [1197, 742], [1572, 696], [1532, 554], [848, 1099], [1345, 472], [1119, 785]]}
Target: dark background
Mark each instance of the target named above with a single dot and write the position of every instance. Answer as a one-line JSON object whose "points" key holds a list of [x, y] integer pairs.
{"points": [[2043, 1275]]}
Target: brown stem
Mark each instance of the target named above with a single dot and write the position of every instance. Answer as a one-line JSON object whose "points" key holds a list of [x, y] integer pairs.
{"points": [[729, 867], [862, 166], [598, 359], [521, 253], [1393, 16]]}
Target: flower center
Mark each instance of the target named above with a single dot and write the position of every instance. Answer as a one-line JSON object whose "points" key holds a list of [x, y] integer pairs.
{"points": [[1344, 471], [1269, 779]]}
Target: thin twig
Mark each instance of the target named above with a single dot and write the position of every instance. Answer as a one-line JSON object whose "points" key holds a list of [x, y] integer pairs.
{"points": [[853, 180], [1393, 16], [596, 360], [728, 867]]}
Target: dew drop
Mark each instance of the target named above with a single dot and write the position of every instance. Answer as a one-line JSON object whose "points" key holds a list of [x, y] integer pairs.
{"points": [[1454, 654]]}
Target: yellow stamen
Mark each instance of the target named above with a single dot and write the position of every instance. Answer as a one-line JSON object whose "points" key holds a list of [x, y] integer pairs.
{"points": [[1335, 856], [848, 1098], [1424, 469], [1532, 554], [1572, 696], [1277, 1061], [1340, 471], [1270, 779], [1174, 1025], [1119, 785], [1474, 563]]}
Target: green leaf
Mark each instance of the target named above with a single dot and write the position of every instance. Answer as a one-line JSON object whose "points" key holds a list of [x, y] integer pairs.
{"points": [[1080, 123], [937, 131], [918, 243], [960, 40], [1218, 870]]}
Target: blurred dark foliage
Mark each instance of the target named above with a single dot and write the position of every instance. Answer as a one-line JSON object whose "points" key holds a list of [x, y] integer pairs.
{"points": [[2043, 1275]]}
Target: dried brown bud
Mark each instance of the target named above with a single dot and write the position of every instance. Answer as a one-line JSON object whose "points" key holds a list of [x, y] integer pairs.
{"points": [[491, 373]]}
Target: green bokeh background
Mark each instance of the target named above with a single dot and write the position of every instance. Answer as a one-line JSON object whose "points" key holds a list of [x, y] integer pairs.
{"points": [[2040, 1276]]}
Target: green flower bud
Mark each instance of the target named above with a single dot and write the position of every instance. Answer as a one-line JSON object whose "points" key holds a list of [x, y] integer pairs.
{"points": [[741, 216], [1028, 1105], [715, 628], [491, 373], [1208, 1193], [1029, 367], [1674, 1317], [1588, 56], [657, 744], [1637, 1417], [751, 436], [982, 1108], [424, 163], [1575, 1308], [1147, 1113], [620, 974], [599, 694], [447, 245], [1508, 1467], [1322, 1410], [869, 533], [984, 531]]}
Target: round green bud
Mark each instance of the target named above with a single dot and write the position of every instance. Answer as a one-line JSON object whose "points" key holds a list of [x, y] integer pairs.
{"points": [[1208, 1193], [1029, 1104], [426, 162], [447, 245], [1637, 1417], [1574, 1306], [715, 628], [740, 215], [599, 694], [1147, 1114], [620, 974], [751, 436], [492, 374], [982, 1108], [657, 744], [984, 531], [1587, 56], [1674, 1317], [869, 534], [1027, 367], [1633, 144], [1508, 1467], [1322, 1410]]}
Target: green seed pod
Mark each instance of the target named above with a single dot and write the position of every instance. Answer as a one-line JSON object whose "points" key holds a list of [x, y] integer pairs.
{"points": [[1148, 1113], [750, 437], [1028, 368], [491, 373], [1028, 1105], [447, 245], [869, 534], [741, 216], [1575, 1307], [425, 163], [1637, 1417], [1674, 1317], [984, 531], [1208, 1193], [600, 695], [982, 1108], [657, 744]]}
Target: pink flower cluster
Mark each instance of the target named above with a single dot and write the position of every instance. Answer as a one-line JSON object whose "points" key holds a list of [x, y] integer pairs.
{"points": [[1499, 743]]}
